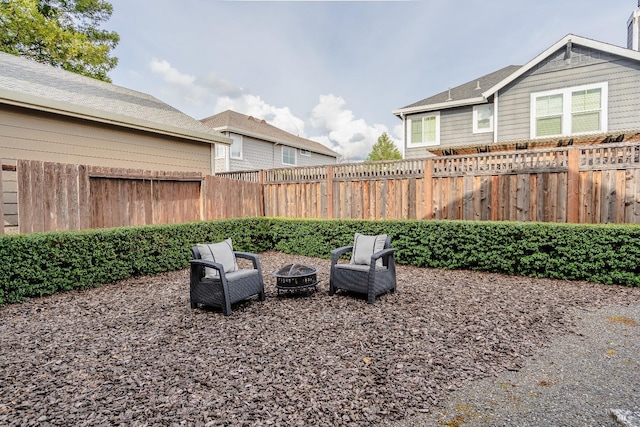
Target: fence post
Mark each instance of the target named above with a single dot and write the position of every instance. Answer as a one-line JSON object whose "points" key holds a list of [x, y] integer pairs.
{"points": [[428, 189], [573, 184], [330, 192], [262, 198]]}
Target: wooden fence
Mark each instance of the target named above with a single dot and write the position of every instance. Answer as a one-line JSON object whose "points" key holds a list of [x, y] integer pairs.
{"points": [[586, 184], [55, 196]]}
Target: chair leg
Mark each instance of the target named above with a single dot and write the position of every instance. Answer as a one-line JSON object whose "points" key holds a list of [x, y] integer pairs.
{"points": [[371, 299], [332, 289], [261, 296], [194, 305]]}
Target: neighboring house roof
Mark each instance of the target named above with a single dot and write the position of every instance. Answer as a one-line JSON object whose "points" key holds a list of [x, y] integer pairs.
{"points": [[29, 84], [231, 121], [468, 94], [465, 94]]}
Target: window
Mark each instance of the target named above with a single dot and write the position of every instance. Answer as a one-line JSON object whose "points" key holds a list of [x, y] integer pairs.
{"points": [[482, 118], [424, 131], [288, 156], [305, 152], [569, 111], [220, 149], [236, 147]]}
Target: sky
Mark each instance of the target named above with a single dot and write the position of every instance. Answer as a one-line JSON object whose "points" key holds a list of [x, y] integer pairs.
{"points": [[333, 71]]}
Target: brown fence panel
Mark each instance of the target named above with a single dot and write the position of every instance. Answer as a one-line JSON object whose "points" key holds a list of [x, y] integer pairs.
{"points": [[232, 198], [128, 202]]}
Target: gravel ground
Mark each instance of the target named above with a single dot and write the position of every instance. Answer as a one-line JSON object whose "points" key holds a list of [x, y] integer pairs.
{"points": [[577, 379], [448, 348]]}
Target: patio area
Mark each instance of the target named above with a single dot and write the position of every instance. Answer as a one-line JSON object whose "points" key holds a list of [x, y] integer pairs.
{"points": [[135, 353]]}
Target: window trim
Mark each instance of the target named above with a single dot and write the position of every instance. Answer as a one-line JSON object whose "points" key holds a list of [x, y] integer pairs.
{"points": [[220, 149], [411, 144], [475, 118], [295, 156], [566, 118], [240, 143]]}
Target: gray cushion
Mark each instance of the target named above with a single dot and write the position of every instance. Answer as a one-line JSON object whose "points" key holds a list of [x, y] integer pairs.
{"points": [[221, 253], [234, 275], [364, 246], [358, 267]]}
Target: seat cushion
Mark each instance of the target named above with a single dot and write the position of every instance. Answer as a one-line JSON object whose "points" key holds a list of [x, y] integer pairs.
{"points": [[221, 253], [364, 246], [234, 275], [358, 267]]}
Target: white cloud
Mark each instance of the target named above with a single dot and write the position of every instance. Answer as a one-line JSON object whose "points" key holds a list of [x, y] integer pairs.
{"points": [[169, 73], [351, 137], [255, 106], [332, 123]]}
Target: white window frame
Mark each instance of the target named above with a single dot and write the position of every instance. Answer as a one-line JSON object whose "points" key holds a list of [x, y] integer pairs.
{"points": [[304, 152], [295, 155], [410, 143], [239, 140], [566, 109], [220, 151], [476, 108]]}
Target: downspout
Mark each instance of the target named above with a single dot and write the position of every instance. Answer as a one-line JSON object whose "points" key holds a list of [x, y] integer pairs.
{"points": [[213, 159], [495, 117], [404, 134]]}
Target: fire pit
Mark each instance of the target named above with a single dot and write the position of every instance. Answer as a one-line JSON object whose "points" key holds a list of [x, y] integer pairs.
{"points": [[296, 278]]}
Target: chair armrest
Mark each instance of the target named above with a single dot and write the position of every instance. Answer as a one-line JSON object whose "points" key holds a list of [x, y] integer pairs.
{"points": [[336, 253], [382, 253], [247, 255], [210, 264]]}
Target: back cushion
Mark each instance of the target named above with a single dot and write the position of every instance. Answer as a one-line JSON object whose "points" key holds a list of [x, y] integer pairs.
{"points": [[364, 246], [221, 253]]}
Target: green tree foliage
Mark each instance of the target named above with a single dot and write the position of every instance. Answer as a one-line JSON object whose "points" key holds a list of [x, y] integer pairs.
{"points": [[384, 149], [62, 33]]}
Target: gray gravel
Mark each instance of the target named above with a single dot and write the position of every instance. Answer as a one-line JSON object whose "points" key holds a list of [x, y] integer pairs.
{"points": [[575, 380]]}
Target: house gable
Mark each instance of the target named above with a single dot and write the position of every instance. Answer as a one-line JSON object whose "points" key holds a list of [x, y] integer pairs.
{"points": [[573, 67]]}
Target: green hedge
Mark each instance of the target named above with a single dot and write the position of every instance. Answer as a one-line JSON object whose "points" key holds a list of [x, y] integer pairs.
{"points": [[43, 263]]}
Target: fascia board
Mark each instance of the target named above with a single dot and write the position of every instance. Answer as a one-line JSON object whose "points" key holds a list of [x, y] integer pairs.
{"points": [[271, 139], [594, 44], [86, 113], [440, 106]]}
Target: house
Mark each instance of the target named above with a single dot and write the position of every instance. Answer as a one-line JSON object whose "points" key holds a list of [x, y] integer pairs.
{"points": [[50, 114], [578, 91], [259, 145], [47, 113]]}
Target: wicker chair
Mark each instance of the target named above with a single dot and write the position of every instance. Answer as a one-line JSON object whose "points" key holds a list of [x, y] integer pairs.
{"points": [[212, 286], [373, 278]]}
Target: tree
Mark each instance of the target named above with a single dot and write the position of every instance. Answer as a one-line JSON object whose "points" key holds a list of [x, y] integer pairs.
{"points": [[384, 149], [62, 33]]}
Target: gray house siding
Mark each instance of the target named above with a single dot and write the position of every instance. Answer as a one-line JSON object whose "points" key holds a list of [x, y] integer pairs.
{"points": [[456, 128], [259, 154], [586, 66]]}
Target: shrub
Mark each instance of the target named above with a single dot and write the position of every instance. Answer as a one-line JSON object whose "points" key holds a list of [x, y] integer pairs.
{"points": [[40, 264]]}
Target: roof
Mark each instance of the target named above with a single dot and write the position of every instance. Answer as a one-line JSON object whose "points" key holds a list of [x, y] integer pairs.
{"points": [[29, 84], [232, 121], [465, 94], [468, 94]]}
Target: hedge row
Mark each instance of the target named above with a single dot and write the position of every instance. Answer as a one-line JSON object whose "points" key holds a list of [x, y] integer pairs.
{"points": [[43, 263]]}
